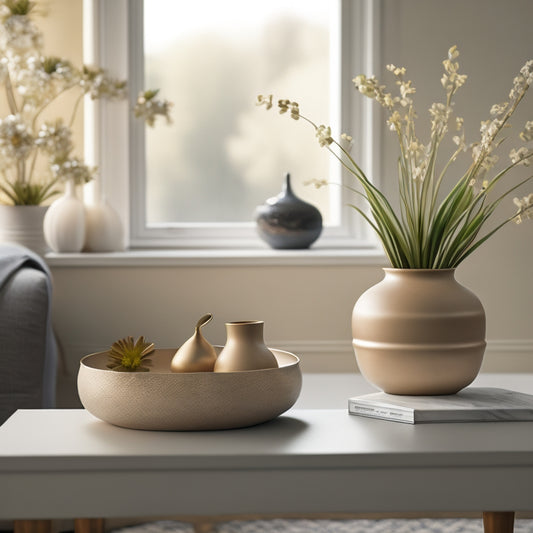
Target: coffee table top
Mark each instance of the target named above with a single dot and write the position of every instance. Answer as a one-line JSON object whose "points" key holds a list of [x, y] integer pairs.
{"points": [[307, 460], [73, 439]]}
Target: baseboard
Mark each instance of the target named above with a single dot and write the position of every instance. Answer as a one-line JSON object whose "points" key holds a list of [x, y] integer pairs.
{"points": [[508, 356]]}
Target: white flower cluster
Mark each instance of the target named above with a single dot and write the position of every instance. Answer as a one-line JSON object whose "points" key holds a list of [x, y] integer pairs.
{"points": [[287, 105], [149, 108], [72, 169], [97, 84], [20, 36], [500, 114], [527, 134], [40, 80], [32, 82], [323, 134], [402, 117], [521, 155], [264, 100], [55, 139], [440, 114], [16, 140], [522, 82], [369, 86], [317, 183], [525, 208], [451, 80], [405, 87]]}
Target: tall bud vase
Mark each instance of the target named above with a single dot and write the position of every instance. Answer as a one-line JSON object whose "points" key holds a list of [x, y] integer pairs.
{"points": [[419, 332], [64, 222], [245, 348]]}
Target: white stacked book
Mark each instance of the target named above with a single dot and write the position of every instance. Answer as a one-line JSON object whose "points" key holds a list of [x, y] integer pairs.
{"points": [[473, 404]]}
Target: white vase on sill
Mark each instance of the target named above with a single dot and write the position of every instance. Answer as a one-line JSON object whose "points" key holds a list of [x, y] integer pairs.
{"points": [[23, 224], [104, 231], [64, 222]]}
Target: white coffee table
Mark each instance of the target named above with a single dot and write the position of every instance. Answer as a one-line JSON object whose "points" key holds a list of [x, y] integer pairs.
{"points": [[67, 464]]}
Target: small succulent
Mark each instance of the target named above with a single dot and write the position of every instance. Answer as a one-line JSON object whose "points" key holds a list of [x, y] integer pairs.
{"points": [[127, 355]]}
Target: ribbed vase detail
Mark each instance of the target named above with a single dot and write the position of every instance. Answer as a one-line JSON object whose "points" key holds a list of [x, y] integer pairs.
{"points": [[419, 332], [23, 224]]}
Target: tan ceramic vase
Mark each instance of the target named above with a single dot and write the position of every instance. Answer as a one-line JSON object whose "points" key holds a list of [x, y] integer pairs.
{"points": [[245, 348], [419, 332], [196, 354]]}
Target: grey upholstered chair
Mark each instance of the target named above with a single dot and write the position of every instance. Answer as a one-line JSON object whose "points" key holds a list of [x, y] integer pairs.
{"points": [[28, 352]]}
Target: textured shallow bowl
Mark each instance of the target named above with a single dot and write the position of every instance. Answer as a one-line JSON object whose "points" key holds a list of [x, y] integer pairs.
{"points": [[163, 400]]}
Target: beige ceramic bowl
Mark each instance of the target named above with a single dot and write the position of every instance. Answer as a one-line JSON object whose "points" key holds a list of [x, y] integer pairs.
{"points": [[163, 400]]}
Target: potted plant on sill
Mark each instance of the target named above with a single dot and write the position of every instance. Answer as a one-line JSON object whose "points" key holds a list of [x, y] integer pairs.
{"points": [[419, 331], [36, 154]]}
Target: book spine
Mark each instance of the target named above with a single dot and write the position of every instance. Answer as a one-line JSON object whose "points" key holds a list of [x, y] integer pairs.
{"points": [[381, 412]]}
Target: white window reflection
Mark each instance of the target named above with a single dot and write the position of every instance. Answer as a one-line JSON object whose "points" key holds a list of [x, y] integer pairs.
{"points": [[223, 156]]}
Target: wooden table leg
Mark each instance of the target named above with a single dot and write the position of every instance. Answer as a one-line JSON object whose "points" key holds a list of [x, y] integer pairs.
{"points": [[498, 522], [89, 525], [32, 526]]}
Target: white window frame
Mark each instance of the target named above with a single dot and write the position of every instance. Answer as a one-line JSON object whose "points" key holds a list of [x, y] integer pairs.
{"points": [[114, 140]]}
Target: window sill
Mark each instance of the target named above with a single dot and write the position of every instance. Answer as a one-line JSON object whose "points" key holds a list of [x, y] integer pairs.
{"points": [[227, 257]]}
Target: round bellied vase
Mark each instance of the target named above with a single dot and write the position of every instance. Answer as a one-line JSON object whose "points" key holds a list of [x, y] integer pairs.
{"points": [[245, 348], [104, 231], [64, 223], [419, 332], [287, 222]]}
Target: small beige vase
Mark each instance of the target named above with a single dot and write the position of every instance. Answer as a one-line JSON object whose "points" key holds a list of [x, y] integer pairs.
{"points": [[196, 354], [419, 332], [245, 348]]}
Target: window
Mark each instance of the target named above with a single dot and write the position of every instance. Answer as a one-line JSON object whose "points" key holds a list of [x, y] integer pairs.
{"points": [[197, 182]]}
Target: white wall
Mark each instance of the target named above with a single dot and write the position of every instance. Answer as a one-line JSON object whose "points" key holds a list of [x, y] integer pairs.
{"points": [[307, 308]]}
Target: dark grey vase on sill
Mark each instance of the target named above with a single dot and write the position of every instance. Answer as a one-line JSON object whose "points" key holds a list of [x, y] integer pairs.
{"points": [[287, 222]]}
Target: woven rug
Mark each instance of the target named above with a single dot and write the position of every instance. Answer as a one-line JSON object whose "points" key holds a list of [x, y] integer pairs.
{"points": [[389, 525], [448, 525]]}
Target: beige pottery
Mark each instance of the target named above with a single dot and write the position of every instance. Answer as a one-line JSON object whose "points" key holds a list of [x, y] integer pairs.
{"points": [[23, 224], [419, 332], [245, 348], [187, 401], [196, 354]]}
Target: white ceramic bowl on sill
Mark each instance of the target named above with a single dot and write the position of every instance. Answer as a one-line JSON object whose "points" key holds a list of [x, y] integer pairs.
{"points": [[194, 401]]}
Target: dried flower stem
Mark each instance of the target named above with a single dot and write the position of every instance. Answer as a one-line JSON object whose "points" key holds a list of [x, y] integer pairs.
{"points": [[12, 103]]}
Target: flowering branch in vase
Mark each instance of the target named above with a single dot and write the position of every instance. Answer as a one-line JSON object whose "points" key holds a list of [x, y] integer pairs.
{"points": [[32, 82], [427, 231]]}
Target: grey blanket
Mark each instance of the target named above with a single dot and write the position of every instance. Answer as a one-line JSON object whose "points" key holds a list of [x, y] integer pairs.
{"points": [[12, 259]]}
